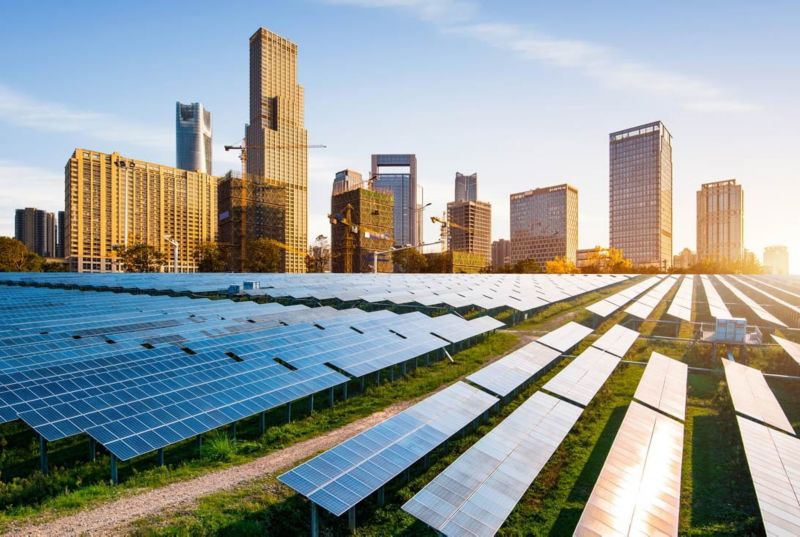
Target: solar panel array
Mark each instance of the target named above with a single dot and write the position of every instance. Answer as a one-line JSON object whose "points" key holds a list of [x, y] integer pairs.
{"points": [[716, 305], [663, 386], [643, 307], [752, 396], [609, 305], [343, 476], [565, 337], [769, 295], [617, 340], [138, 373], [681, 306], [752, 304], [791, 348]]}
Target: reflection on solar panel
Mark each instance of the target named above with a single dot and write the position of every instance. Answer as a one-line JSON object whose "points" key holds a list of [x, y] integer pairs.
{"points": [[774, 461], [752, 397], [477, 492], [643, 307], [752, 304], [791, 348], [609, 305], [564, 338], [716, 305], [584, 376], [638, 490], [783, 288], [663, 385], [681, 306], [617, 340], [768, 295], [343, 476], [514, 370]]}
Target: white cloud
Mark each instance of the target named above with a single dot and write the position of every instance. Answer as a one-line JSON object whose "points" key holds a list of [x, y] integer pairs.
{"points": [[29, 112], [38, 187], [428, 10]]}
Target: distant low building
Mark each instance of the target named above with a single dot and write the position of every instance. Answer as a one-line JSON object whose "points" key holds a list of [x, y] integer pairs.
{"points": [[587, 257], [776, 259], [684, 260], [501, 253], [36, 229]]}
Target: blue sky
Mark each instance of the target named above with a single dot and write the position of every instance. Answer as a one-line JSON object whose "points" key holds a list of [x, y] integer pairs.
{"points": [[524, 93]]}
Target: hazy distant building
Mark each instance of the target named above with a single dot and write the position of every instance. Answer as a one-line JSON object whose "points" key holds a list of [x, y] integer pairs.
{"points": [[776, 259], [347, 180], [466, 187], [720, 221], [685, 259], [471, 228], [544, 224], [362, 223], [589, 257], [276, 139], [640, 194], [501, 253], [193, 137], [37, 230], [60, 235], [398, 174]]}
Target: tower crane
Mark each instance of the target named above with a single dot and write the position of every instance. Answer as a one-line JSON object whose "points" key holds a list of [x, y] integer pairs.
{"points": [[446, 226], [243, 147]]}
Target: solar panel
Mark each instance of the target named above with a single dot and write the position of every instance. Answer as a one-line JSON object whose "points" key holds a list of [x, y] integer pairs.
{"points": [[681, 306], [752, 304], [477, 492], [768, 295], [638, 490], [343, 476], [663, 385], [716, 305], [609, 305], [584, 376], [791, 348], [565, 337], [643, 307], [512, 371], [752, 396], [617, 340], [774, 461]]}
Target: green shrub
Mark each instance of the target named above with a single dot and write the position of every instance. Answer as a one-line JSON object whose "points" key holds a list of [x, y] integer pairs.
{"points": [[218, 447]]}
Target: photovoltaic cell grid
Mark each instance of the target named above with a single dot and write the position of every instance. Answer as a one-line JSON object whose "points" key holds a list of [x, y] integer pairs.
{"points": [[565, 337], [767, 294], [343, 476], [681, 306], [774, 461], [609, 305], [617, 340], [752, 304], [638, 489], [794, 292], [716, 305], [791, 348], [752, 396], [477, 492], [643, 307], [663, 385]]}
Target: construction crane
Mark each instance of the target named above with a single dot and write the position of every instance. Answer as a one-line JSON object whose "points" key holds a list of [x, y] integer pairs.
{"points": [[446, 226], [242, 148], [286, 247]]}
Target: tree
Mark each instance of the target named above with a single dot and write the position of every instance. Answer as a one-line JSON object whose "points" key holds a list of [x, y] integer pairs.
{"points": [[561, 265], [409, 261], [526, 266], [319, 256], [263, 255], [210, 257], [608, 261], [141, 257], [15, 257]]}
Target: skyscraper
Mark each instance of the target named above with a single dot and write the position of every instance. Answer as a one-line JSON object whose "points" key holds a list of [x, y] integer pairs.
{"points": [[720, 221], [37, 230], [776, 259], [192, 137], [640, 194], [275, 139], [501, 253], [401, 180], [471, 228], [60, 235], [362, 223], [466, 187], [544, 224], [346, 180]]}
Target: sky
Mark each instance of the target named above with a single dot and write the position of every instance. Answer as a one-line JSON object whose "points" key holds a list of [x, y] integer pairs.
{"points": [[524, 93]]}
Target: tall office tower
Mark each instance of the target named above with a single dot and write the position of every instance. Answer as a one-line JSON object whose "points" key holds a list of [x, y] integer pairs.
{"points": [[113, 201], [193, 137], [346, 180], [501, 253], [544, 224], [362, 223], [720, 221], [275, 139], [37, 230], [60, 235], [776, 259], [641, 194], [471, 228], [250, 208], [466, 187], [401, 180]]}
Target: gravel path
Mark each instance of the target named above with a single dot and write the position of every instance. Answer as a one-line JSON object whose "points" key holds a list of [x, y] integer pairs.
{"points": [[109, 517]]}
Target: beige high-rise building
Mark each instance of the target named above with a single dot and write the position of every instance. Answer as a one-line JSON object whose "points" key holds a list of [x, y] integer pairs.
{"points": [[776, 259], [113, 201], [720, 221], [544, 224], [501, 253], [471, 227], [275, 139]]}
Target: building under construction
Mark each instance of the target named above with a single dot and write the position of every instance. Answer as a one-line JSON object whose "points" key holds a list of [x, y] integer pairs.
{"points": [[362, 223], [250, 208]]}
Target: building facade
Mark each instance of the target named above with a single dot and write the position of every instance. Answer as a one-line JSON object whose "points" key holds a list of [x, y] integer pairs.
{"points": [[347, 180], [720, 221], [36, 229], [501, 253], [544, 224], [60, 235], [362, 223], [596, 257], [401, 181], [776, 259], [250, 208], [114, 201], [471, 228], [466, 187], [192, 137], [640, 194], [276, 140], [684, 260]]}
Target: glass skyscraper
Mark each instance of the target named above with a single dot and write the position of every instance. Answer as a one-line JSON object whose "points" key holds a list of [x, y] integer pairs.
{"points": [[193, 138], [466, 187], [544, 224], [640, 194], [401, 180]]}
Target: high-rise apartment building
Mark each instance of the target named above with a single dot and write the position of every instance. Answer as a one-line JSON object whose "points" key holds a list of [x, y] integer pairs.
{"points": [[60, 235], [640, 194], [720, 221], [346, 180], [466, 187], [362, 223], [471, 227], [776, 259], [113, 201], [544, 224], [398, 174], [192, 137], [501, 253], [36, 229], [276, 140]]}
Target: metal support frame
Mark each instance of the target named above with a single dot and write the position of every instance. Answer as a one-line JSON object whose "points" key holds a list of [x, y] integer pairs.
{"points": [[232, 431], [92, 449], [43, 455], [161, 456], [262, 422], [114, 471], [289, 412], [351, 518], [381, 496], [199, 441], [330, 393], [311, 404], [344, 389], [314, 521]]}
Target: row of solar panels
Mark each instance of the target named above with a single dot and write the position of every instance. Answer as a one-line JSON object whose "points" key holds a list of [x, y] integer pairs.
{"points": [[607, 306], [645, 305], [681, 306]]}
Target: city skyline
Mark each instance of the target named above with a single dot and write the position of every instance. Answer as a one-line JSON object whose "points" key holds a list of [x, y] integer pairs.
{"points": [[724, 124]]}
